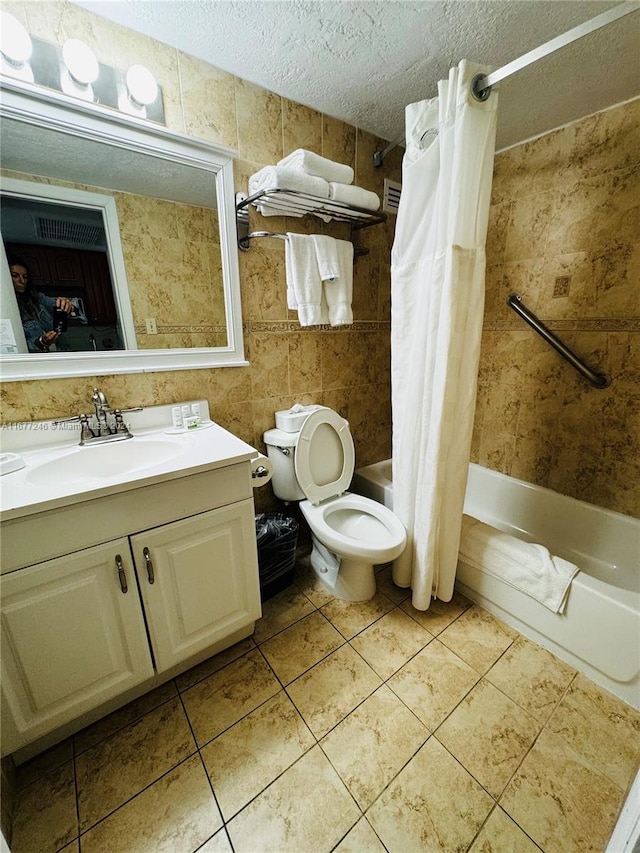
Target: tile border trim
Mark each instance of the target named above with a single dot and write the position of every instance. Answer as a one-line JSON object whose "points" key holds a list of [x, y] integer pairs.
{"points": [[294, 326], [188, 329], [586, 324]]}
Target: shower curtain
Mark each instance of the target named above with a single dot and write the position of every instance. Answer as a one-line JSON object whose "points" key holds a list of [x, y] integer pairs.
{"points": [[437, 299]]}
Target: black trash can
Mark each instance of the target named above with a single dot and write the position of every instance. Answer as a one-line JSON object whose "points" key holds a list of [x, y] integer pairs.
{"points": [[277, 537]]}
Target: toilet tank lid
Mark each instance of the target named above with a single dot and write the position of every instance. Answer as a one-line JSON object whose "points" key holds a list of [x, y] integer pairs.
{"points": [[279, 438], [291, 420]]}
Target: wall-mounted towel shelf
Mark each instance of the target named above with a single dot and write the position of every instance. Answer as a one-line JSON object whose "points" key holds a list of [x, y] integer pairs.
{"points": [[298, 202]]}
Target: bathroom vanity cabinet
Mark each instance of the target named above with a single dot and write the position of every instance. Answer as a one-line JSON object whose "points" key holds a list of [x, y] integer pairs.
{"points": [[104, 599]]}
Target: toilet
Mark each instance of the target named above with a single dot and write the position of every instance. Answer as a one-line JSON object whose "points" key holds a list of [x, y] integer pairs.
{"points": [[313, 459]]}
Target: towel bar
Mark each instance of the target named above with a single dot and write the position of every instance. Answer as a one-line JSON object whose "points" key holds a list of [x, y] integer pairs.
{"points": [[243, 242]]}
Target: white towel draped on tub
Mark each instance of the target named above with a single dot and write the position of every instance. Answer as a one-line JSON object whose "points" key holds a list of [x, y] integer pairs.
{"points": [[523, 565], [314, 164]]}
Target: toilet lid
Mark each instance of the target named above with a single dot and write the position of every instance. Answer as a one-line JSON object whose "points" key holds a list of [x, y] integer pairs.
{"points": [[325, 456]]}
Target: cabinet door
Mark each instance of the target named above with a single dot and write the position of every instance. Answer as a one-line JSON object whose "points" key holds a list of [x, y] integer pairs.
{"points": [[100, 305], [35, 257], [71, 272], [199, 580], [65, 267], [72, 638]]}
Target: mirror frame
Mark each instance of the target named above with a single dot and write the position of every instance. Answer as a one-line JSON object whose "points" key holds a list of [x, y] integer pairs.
{"points": [[25, 103]]}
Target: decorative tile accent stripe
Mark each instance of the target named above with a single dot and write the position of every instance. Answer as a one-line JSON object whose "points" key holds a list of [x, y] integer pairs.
{"points": [[182, 330], [599, 324], [586, 324], [595, 324], [293, 326]]}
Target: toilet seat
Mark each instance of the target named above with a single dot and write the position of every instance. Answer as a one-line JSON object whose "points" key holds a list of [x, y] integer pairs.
{"points": [[358, 527], [325, 456]]}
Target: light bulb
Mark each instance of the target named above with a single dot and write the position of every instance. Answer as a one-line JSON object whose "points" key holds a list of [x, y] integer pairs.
{"points": [[15, 42], [142, 85], [80, 61]]}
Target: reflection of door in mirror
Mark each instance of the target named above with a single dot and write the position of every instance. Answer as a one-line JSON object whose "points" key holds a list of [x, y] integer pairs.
{"points": [[82, 276], [60, 235], [64, 250]]}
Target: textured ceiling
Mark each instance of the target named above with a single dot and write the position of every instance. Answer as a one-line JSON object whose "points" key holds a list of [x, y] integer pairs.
{"points": [[364, 61]]}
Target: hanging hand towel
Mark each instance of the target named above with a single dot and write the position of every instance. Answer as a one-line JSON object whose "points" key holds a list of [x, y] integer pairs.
{"points": [[304, 285], [356, 196], [339, 292], [287, 178], [327, 255], [314, 164], [523, 565]]}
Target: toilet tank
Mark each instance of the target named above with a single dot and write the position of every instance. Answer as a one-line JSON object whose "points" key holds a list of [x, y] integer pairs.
{"points": [[281, 447], [291, 420]]}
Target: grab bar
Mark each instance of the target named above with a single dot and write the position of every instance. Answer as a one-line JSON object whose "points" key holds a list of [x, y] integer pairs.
{"points": [[600, 380], [243, 242]]}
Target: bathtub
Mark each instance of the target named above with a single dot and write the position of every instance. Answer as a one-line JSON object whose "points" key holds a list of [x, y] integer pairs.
{"points": [[599, 632], [375, 482]]}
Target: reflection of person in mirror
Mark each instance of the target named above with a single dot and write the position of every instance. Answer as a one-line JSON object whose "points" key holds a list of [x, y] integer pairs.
{"points": [[42, 316]]}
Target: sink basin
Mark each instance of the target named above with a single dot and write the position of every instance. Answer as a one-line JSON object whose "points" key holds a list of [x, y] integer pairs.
{"points": [[103, 461]]}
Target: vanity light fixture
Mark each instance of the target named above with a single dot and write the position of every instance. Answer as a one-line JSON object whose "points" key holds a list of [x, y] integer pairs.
{"points": [[15, 47], [141, 84], [74, 70], [79, 69], [141, 90]]}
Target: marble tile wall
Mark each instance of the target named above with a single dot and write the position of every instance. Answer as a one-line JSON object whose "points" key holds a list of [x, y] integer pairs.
{"points": [[174, 271], [564, 206], [566, 212], [346, 369]]}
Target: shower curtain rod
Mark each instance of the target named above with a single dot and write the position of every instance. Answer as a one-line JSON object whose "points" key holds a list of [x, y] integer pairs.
{"points": [[481, 86]]}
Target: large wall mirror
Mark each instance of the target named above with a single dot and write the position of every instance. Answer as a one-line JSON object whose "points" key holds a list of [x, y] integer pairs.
{"points": [[134, 224]]}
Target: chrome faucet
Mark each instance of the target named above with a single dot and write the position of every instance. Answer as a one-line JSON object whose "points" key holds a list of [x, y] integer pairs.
{"points": [[101, 405], [101, 430]]}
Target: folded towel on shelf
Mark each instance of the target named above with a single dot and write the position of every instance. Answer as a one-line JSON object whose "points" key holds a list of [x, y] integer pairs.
{"points": [[314, 164], [304, 285], [523, 565], [338, 290], [287, 178], [350, 194]]}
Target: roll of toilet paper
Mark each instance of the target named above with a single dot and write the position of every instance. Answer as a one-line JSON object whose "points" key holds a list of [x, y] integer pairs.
{"points": [[261, 470]]}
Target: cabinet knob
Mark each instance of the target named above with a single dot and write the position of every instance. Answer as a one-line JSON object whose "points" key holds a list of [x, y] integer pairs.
{"points": [[149, 565], [122, 577]]}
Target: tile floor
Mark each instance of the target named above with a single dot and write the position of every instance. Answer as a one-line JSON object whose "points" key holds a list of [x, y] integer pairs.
{"points": [[346, 727]]}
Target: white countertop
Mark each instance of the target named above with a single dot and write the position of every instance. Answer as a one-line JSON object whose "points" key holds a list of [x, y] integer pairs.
{"points": [[203, 449]]}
